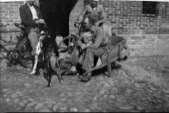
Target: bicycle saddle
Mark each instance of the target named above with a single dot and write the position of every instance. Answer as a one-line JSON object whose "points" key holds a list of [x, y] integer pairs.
{"points": [[19, 25]]}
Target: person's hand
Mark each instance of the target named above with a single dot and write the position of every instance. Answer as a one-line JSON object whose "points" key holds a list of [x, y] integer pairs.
{"points": [[89, 44], [98, 23], [37, 21], [83, 46], [40, 21], [77, 24]]}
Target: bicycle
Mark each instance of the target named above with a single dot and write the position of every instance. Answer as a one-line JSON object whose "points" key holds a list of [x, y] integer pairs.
{"points": [[66, 63], [73, 37], [21, 54]]}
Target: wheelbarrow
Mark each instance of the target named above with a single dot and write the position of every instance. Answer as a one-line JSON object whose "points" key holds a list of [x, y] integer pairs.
{"points": [[116, 50]]}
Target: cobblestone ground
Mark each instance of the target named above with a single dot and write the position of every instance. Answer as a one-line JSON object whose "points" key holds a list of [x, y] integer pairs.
{"points": [[141, 85]]}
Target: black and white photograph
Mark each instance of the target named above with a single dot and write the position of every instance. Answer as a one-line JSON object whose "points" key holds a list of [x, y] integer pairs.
{"points": [[84, 56]]}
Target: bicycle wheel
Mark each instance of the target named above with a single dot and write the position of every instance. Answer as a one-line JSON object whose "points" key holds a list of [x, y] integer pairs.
{"points": [[12, 57], [4, 50], [26, 63], [25, 57], [21, 54], [68, 48]]}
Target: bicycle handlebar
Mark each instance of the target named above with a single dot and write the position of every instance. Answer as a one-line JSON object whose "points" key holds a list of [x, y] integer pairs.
{"points": [[19, 25], [22, 27]]}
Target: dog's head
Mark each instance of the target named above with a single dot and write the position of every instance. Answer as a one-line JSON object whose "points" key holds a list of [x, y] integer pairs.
{"points": [[52, 50]]}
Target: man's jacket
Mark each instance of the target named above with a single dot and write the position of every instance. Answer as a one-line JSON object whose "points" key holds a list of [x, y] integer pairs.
{"points": [[27, 18]]}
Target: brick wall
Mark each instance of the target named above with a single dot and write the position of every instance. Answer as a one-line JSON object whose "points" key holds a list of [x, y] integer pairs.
{"points": [[127, 17], [9, 13], [142, 32], [145, 35]]}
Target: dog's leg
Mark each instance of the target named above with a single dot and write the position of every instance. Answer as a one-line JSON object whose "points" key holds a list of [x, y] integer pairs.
{"points": [[47, 77], [49, 80], [38, 51], [55, 67], [58, 71], [60, 78], [35, 65]]}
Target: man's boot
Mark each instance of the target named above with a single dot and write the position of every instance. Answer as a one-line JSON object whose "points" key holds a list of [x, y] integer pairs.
{"points": [[115, 66], [86, 78]]}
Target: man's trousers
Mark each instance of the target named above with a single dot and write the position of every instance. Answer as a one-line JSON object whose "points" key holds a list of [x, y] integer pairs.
{"points": [[33, 38], [90, 54]]}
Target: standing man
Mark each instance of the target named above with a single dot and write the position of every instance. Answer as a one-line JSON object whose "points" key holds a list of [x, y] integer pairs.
{"points": [[31, 16]]}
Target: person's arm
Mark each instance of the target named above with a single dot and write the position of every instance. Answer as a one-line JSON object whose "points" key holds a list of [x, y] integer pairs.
{"points": [[25, 19], [39, 14], [98, 39]]}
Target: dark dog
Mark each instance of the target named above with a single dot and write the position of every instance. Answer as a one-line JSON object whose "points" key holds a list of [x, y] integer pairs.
{"points": [[47, 59], [51, 64]]}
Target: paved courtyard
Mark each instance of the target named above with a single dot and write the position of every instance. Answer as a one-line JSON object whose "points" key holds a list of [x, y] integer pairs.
{"points": [[141, 85]]}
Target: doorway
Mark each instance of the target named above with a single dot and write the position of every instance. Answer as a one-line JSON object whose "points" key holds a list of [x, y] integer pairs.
{"points": [[56, 14]]}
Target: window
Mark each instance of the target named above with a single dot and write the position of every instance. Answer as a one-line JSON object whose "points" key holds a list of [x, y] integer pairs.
{"points": [[149, 8]]}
